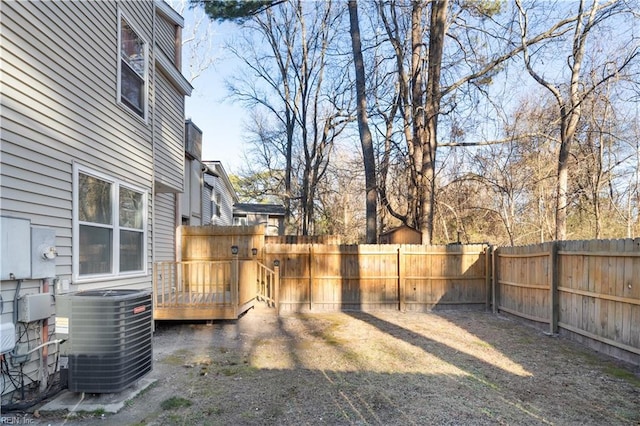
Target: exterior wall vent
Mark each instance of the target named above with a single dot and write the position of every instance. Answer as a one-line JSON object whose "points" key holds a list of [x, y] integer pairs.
{"points": [[109, 338]]}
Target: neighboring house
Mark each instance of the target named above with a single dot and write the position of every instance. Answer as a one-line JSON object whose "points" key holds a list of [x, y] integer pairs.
{"points": [[92, 134], [208, 196], [218, 195], [401, 235], [269, 215], [191, 198]]}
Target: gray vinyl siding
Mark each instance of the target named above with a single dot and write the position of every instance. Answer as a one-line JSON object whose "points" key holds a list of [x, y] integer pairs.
{"points": [[59, 106], [77, 115], [207, 196], [169, 136], [165, 37], [226, 202], [165, 227]]}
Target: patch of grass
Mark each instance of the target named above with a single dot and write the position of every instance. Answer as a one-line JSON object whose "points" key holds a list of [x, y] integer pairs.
{"points": [[177, 358], [623, 374], [176, 419], [477, 379], [174, 403], [235, 370], [95, 413], [213, 411], [483, 344]]}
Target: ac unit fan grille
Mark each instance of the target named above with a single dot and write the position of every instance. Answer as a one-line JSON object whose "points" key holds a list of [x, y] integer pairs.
{"points": [[110, 345]]}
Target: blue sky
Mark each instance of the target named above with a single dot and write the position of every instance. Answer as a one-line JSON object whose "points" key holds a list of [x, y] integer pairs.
{"points": [[219, 120], [208, 107]]}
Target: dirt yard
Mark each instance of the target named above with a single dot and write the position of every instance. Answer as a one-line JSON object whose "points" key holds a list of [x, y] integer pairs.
{"points": [[386, 368]]}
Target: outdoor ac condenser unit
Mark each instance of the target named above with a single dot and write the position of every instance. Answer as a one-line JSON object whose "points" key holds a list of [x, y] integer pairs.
{"points": [[108, 334]]}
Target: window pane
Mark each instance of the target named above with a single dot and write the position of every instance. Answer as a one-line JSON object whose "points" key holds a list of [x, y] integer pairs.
{"points": [[131, 247], [132, 48], [95, 250], [131, 89], [131, 208], [94, 200]]}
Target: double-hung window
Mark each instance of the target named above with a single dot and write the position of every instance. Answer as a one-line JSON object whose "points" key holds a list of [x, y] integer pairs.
{"points": [[132, 68], [110, 219]]}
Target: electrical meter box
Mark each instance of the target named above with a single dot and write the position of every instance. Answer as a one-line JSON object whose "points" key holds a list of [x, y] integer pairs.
{"points": [[43, 253], [15, 248]]}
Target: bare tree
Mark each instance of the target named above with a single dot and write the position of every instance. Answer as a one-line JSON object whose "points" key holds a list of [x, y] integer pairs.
{"points": [[288, 81], [571, 95], [366, 139], [432, 78], [198, 39]]}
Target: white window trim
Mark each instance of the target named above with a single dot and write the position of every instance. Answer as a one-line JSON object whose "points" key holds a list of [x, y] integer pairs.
{"points": [[75, 251], [121, 16]]}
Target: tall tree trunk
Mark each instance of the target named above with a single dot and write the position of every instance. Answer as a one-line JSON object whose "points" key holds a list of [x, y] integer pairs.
{"points": [[431, 110], [417, 142], [363, 127]]}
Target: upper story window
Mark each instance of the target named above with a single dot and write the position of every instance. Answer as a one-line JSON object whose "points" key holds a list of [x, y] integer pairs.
{"points": [[132, 68], [109, 226]]}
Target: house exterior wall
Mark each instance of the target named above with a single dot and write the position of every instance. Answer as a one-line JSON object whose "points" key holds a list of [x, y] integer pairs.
{"points": [[60, 111], [164, 231], [218, 190], [191, 198], [273, 224], [169, 136], [165, 37]]}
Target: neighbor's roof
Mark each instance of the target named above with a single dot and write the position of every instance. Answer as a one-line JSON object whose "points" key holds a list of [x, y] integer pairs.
{"points": [[270, 209], [399, 228]]}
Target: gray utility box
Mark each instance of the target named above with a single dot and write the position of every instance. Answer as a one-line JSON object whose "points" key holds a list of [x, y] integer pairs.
{"points": [[35, 307], [108, 334]]}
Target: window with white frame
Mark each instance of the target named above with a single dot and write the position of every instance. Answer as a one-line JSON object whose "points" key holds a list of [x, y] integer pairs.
{"points": [[132, 68], [109, 226]]}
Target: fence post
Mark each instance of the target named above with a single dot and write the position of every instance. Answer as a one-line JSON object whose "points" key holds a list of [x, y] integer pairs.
{"points": [[553, 287], [235, 279], [254, 256], [487, 270], [276, 285], [310, 276], [401, 296], [495, 257]]}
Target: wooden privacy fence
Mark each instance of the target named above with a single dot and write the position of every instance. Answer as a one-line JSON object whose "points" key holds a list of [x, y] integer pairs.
{"points": [[587, 289], [371, 277]]}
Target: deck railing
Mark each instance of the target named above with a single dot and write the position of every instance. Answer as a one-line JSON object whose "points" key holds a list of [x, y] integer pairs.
{"points": [[194, 283], [268, 283]]}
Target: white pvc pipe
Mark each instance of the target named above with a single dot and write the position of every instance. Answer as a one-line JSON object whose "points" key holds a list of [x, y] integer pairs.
{"points": [[50, 342]]}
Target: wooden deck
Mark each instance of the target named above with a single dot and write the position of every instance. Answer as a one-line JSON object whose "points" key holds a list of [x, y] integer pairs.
{"points": [[203, 290], [198, 306]]}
